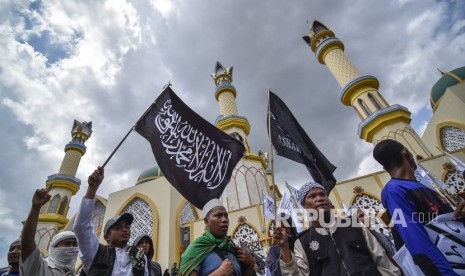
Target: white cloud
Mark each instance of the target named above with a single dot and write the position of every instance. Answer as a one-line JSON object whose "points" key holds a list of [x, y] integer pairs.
{"points": [[105, 61]]}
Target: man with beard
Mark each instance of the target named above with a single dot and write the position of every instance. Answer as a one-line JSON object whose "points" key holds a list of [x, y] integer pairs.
{"points": [[214, 253], [413, 205], [63, 250], [145, 242], [116, 258], [333, 250], [14, 253]]}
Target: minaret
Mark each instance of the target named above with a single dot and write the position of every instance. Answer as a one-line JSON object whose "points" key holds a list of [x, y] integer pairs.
{"points": [[380, 120], [229, 121], [249, 180], [62, 186]]}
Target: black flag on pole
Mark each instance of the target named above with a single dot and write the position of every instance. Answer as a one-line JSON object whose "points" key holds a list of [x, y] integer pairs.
{"points": [[195, 157], [291, 141]]}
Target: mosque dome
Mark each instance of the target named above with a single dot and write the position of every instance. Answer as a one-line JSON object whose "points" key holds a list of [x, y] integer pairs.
{"points": [[447, 80], [149, 174]]}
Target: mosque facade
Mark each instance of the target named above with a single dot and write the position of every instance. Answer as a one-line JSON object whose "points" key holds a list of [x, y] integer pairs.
{"points": [[172, 222]]}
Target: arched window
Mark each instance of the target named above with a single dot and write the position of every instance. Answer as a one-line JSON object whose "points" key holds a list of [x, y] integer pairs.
{"points": [[364, 107], [455, 182], [453, 138], [371, 205], [374, 101], [187, 213], [44, 208], [247, 235], [367, 202], [63, 206], [97, 216], [54, 204], [143, 218]]}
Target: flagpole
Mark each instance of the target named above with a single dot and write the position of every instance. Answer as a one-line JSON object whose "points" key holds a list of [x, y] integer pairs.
{"points": [[272, 161], [132, 129], [117, 147]]}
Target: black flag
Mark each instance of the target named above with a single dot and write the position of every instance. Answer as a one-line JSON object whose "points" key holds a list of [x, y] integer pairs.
{"points": [[195, 157], [291, 141]]}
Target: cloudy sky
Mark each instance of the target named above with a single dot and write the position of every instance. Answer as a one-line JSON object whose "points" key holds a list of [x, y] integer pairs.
{"points": [[106, 61]]}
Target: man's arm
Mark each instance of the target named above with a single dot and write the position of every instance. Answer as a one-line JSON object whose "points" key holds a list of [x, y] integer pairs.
{"points": [[379, 256], [28, 243], [291, 263], [87, 239], [425, 254], [247, 260]]}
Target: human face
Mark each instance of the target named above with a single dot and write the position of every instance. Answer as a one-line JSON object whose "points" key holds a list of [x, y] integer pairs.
{"points": [[217, 222], [14, 253], [71, 242], [316, 199], [119, 234], [145, 245]]}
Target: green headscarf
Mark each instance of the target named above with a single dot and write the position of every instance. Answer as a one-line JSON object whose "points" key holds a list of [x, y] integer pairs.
{"points": [[200, 248]]}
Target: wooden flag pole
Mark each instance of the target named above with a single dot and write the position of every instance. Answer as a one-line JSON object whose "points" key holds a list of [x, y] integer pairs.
{"points": [[132, 129]]}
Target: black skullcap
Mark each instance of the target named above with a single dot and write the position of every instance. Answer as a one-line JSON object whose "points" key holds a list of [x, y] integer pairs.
{"points": [[387, 151]]}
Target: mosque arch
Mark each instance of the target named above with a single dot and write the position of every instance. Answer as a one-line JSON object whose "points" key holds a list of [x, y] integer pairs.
{"points": [[374, 101], [53, 207], [45, 236], [455, 183], [451, 136], [98, 214], [246, 187], [364, 107], [247, 234], [146, 218], [186, 214], [63, 206], [364, 200]]}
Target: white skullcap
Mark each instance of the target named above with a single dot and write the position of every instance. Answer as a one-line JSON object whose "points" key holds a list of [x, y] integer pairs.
{"points": [[61, 237], [212, 203]]}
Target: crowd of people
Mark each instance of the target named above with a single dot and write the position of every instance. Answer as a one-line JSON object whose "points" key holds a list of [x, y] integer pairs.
{"points": [[324, 248]]}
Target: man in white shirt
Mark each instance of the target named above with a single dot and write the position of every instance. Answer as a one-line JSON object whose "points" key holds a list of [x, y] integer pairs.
{"points": [[116, 258]]}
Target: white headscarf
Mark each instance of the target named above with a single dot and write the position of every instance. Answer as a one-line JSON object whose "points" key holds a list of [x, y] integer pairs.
{"points": [[62, 257]]}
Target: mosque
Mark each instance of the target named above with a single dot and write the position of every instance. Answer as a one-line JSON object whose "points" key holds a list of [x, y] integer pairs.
{"points": [[178, 222]]}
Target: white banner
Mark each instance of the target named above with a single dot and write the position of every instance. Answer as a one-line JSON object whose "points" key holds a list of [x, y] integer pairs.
{"points": [[268, 207], [448, 236]]}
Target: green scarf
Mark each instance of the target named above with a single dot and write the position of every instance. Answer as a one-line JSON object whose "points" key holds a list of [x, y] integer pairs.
{"points": [[200, 248]]}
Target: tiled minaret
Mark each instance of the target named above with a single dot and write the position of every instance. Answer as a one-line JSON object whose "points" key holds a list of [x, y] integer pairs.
{"points": [[380, 120], [62, 186], [249, 180]]}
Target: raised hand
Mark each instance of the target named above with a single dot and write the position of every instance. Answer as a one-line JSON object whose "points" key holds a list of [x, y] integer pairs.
{"points": [[96, 178], [244, 257], [226, 268], [41, 196], [94, 181]]}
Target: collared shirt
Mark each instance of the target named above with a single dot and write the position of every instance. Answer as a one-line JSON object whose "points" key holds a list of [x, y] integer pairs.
{"points": [[88, 242], [213, 261], [36, 265], [299, 263]]}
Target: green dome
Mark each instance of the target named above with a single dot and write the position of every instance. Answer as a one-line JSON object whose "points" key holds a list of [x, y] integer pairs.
{"points": [[149, 174], [447, 80]]}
